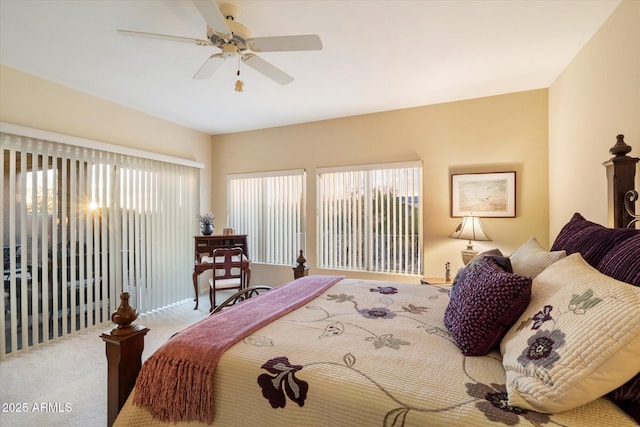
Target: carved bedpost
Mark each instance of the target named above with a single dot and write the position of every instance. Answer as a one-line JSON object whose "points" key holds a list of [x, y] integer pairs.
{"points": [[621, 171], [301, 269], [124, 345]]}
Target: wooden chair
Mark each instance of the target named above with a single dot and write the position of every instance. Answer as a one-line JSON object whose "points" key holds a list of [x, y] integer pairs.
{"points": [[229, 271], [241, 295]]}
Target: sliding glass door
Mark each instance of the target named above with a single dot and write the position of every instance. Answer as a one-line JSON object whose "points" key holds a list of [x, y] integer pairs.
{"points": [[82, 225]]}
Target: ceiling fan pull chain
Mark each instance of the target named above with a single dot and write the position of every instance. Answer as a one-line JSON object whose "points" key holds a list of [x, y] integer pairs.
{"points": [[239, 83]]}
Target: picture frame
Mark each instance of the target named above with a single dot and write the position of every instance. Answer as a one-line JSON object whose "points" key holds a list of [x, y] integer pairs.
{"points": [[490, 194]]}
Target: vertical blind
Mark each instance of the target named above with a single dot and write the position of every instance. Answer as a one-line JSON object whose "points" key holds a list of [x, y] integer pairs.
{"points": [[370, 218], [269, 208], [80, 226]]}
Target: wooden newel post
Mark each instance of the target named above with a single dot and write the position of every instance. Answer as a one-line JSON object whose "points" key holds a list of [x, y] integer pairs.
{"points": [[301, 269], [621, 171], [124, 345]]}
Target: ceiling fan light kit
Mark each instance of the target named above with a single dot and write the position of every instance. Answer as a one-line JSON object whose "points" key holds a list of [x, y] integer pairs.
{"points": [[229, 50], [233, 39]]}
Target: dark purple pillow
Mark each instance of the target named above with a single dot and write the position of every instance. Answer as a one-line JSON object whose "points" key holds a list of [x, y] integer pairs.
{"points": [[494, 254], [485, 305], [623, 262], [592, 240]]}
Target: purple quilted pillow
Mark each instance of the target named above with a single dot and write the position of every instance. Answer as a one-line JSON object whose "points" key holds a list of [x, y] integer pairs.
{"points": [[487, 302], [623, 262], [592, 240]]}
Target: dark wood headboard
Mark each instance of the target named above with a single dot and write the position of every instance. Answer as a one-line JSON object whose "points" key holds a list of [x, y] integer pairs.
{"points": [[621, 192]]}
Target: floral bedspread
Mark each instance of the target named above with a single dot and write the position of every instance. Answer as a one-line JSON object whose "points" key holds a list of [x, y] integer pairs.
{"points": [[368, 353]]}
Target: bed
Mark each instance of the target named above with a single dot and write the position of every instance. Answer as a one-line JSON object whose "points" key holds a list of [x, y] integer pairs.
{"points": [[539, 337]]}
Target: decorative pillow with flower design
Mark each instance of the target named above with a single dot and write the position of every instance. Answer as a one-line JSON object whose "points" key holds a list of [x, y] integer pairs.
{"points": [[486, 303], [531, 258], [578, 340]]}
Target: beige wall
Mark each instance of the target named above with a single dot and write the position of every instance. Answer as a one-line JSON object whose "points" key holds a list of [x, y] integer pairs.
{"points": [[501, 133], [595, 98], [33, 102]]}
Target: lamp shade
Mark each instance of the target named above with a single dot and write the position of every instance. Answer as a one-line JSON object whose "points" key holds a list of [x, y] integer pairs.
{"points": [[469, 229]]}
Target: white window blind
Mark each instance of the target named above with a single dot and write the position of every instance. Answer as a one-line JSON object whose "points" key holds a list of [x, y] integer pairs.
{"points": [[370, 218], [269, 208], [80, 226]]}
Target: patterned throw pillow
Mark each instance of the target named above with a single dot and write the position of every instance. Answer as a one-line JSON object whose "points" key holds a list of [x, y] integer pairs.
{"points": [[593, 241], [578, 340], [531, 258], [486, 303], [494, 254]]}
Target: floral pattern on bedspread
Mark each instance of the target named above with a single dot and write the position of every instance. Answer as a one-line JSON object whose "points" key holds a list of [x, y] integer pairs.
{"points": [[377, 353], [489, 399], [494, 405], [283, 381]]}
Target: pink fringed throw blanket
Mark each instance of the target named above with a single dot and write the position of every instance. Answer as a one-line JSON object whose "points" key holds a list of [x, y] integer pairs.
{"points": [[176, 382]]}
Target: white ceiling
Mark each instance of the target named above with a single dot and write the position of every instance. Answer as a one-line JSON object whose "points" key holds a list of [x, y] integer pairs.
{"points": [[377, 55]]}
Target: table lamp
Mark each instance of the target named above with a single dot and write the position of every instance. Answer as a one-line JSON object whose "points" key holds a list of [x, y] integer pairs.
{"points": [[469, 229]]}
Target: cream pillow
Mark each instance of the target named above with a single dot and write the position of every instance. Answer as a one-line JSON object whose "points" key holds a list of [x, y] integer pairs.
{"points": [[578, 339], [531, 258]]}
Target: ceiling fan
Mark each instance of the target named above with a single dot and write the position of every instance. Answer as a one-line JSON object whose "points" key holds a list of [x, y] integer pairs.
{"points": [[233, 39]]}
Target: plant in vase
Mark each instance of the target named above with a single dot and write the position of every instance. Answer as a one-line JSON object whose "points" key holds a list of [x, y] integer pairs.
{"points": [[206, 223]]}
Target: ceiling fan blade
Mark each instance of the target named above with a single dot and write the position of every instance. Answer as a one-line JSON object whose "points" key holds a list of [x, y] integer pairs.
{"points": [[285, 43], [269, 70], [190, 40], [209, 67], [212, 15]]}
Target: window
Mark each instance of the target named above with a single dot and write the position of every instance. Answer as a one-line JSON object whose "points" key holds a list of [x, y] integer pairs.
{"points": [[43, 184], [370, 218], [81, 225], [269, 208]]}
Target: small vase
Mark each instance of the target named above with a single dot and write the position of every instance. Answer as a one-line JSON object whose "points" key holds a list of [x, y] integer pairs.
{"points": [[206, 229]]}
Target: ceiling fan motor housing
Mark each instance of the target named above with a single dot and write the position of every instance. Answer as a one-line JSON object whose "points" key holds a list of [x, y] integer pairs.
{"points": [[239, 36], [229, 50]]}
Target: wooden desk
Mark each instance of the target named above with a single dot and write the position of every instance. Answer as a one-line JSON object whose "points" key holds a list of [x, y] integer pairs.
{"points": [[203, 245]]}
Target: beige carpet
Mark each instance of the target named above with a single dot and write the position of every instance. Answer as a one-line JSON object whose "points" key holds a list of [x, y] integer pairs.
{"points": [[65, 383]]}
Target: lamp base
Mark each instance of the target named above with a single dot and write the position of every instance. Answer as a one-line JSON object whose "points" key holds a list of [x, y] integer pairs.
{"points": [[468, 254]]}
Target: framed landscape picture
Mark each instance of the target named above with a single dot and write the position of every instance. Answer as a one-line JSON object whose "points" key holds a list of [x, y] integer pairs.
{"points": [[484, 194]]}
